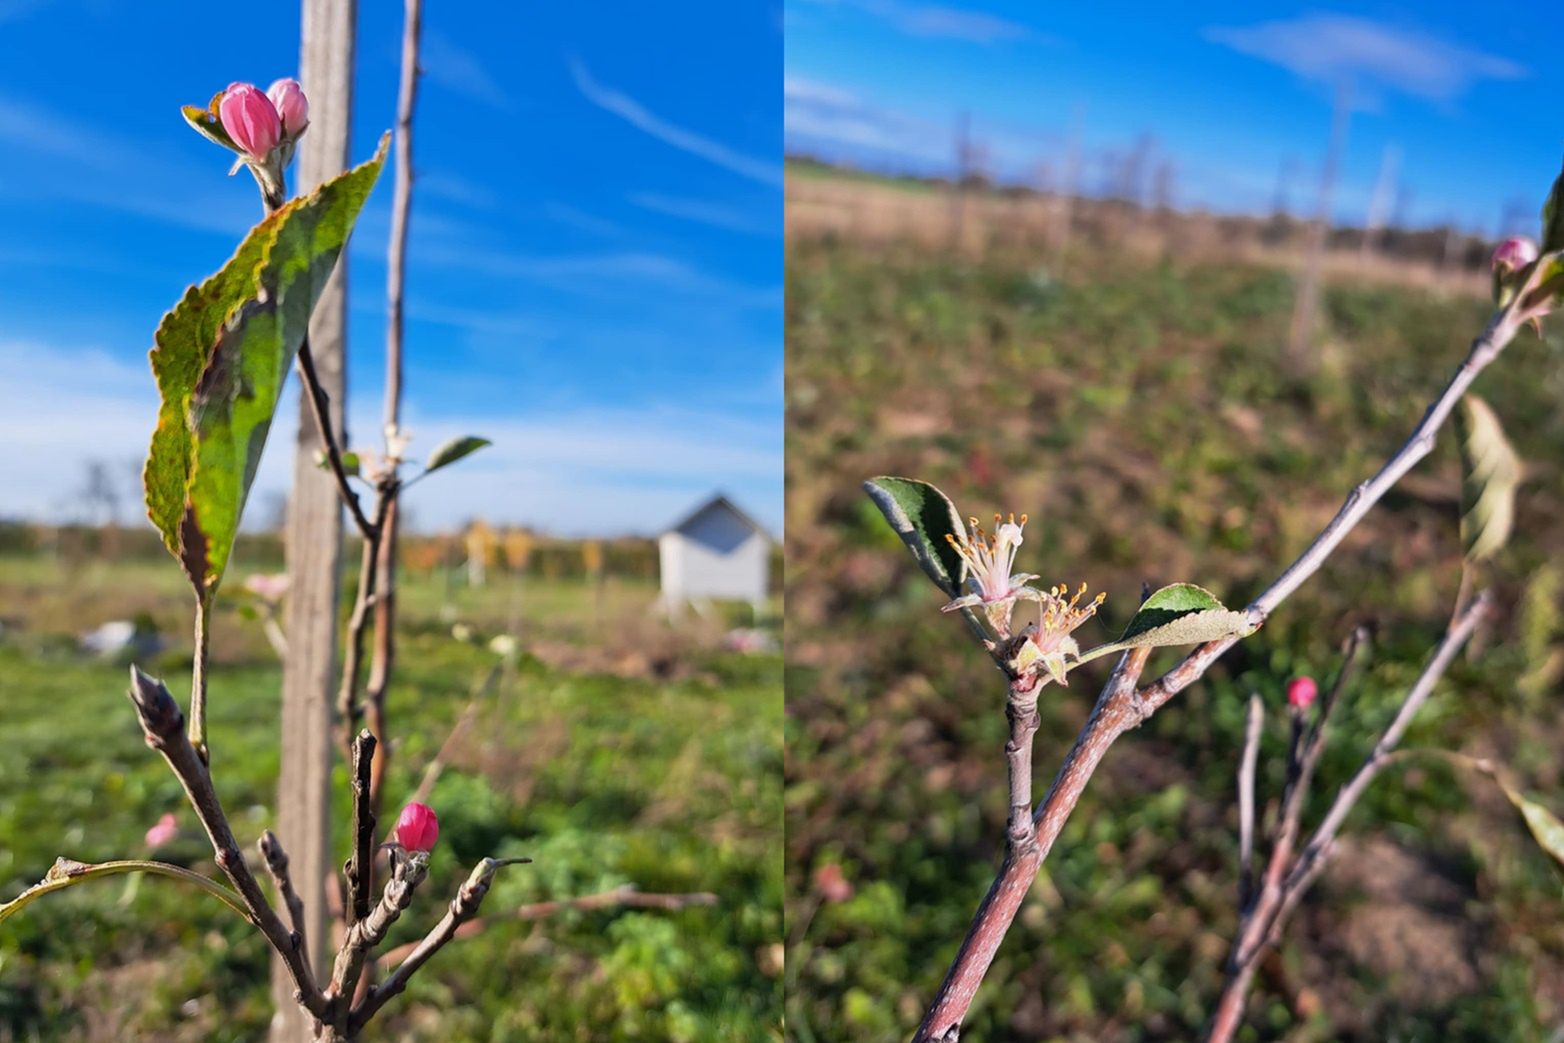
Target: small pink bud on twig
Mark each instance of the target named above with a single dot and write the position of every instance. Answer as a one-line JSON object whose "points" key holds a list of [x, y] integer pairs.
{"points": [[417, 828], [293, 108], [1514, 253], [165, 830], [1301, 692], [250, 120], [832, 883]]}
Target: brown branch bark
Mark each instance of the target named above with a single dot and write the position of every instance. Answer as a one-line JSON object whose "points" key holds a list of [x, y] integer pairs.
{"points": [[277, 865], [463, 908], [1119, 708], [162, 722], [1289, 879]]}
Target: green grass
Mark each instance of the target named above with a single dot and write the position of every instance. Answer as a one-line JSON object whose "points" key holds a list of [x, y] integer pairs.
{"points": [[668, 782], [1143, 417]]}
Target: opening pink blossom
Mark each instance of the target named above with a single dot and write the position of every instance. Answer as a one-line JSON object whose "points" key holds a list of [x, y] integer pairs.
{"points": [[250, 120], [417, 828], [293, 108]]}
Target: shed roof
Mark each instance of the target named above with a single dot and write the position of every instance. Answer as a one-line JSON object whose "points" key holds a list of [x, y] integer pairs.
{"points": [[718, 501]]}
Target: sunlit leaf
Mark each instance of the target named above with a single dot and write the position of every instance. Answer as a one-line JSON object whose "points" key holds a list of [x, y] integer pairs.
{"points": [[1491, 475], [221, 357], [923, 517], [453, 450], [1179, 614], [1545, 826]]}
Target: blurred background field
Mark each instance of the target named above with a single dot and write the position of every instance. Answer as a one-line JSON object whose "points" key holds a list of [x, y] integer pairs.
{"points": [[1125, 381], [613, 747]]}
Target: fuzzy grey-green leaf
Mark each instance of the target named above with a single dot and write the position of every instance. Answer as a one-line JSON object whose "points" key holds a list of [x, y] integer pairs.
{"points": [[923, 517], [1178, 614]]}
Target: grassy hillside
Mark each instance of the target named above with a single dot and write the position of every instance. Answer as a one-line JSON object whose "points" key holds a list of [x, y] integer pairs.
{"points": [[1140, 412], [616, 751]]}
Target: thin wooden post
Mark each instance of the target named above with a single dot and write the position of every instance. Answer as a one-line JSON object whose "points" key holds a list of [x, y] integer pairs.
{"points": [[314, 533]]}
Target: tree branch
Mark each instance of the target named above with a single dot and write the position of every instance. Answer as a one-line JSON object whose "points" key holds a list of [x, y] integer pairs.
{"points": [[1117, 710], [1246, 766], [360, 870], [1288, 879], [320, 407], [463, 908], [162, 722], [277, 865]]}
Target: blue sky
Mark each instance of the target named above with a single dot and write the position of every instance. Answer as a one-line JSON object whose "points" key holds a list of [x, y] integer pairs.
{"points": [[1464, 95], [595, 270]]}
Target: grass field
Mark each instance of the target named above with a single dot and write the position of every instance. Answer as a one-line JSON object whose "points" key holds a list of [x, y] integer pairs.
{"points": [[618, 750], [1141, 413]]}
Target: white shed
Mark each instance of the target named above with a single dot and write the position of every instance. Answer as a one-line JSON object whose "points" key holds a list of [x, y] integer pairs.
{"points": [[716, 553]]}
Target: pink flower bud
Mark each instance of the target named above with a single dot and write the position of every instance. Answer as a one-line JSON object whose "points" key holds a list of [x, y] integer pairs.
{"points": [[250, 120], [1301, 692], [163, 832], [1514, 253], [417, 828], [832, 883], [287, 97]]}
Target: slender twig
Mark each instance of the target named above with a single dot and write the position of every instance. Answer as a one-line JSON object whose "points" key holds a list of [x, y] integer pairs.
{"points": [[163, 724], [320, 408], [277, 865], [349, 709], [626, 897], [1289, 878], [1246, 767], [1021, 711], [360, 870], [203, 646], [1118, 710], [463, 908], [384, 650], [364, 935]]}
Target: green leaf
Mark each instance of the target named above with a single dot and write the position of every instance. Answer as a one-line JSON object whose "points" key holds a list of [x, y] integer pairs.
{"points": [[1179, 614], [65, 872], [220, 359], [1545, 826], [1553, 218], [352, 463], [1492, 473], [923, 517], [453, 450], [206, 123]]}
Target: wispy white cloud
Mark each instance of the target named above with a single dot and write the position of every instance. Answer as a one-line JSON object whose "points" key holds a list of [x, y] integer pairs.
{"points": [[452, 188], [817, 114], [575, 217], [696, 144], [1372, 56], [449, 65], [570, 470], [942, 21], [582, 272], [711, 213], [98, 161]]}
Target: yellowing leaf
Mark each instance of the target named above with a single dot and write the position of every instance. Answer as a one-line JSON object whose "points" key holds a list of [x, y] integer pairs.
{"points": [[220, 360], [1492, 473]]}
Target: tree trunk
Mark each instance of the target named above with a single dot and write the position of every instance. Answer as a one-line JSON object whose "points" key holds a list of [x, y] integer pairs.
{"points": [[314, 535]]}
